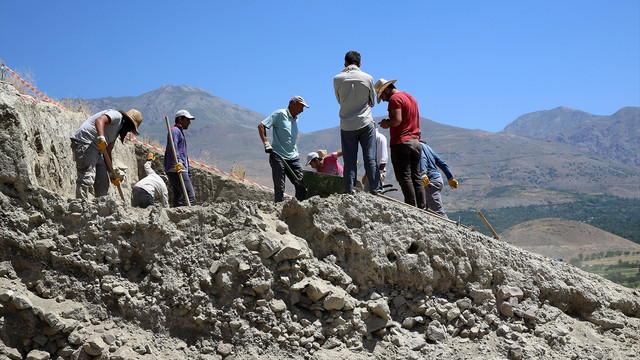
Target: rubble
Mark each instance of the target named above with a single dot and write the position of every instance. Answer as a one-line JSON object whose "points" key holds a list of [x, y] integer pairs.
{"points": [[344, 277]]}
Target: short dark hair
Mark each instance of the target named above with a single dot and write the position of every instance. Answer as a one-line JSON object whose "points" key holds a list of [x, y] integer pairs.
{"points": [[352, 58]]}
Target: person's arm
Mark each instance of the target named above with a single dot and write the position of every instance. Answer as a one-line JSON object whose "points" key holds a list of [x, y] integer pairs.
{"points": [[442, 165], [101, 122], [262, 131], [147, 168], [395, 119], [338, 153], [372, 93], [165, 197]]}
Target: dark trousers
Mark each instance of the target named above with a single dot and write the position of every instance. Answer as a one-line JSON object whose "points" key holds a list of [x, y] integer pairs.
{"points": [[141, 198], [278, 173], [405, 158], [178, 194]]}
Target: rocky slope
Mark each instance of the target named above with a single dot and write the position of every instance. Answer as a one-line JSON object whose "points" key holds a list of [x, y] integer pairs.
{"points": [[347, 277]]}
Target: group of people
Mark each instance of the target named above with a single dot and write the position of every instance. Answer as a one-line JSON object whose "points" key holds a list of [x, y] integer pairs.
{"points": [[415, 164], [93, 143]]}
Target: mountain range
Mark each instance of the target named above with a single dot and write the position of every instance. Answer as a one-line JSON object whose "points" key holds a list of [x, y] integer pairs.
{"points": [[615, 137], [495, 170]]}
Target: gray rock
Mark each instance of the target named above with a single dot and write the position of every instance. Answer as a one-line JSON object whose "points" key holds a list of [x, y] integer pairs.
{"points": [[224, 349], [21, 302], [435, 332], [38, 355], [94, 346]]}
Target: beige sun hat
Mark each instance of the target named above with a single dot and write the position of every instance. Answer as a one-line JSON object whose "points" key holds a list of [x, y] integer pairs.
{"points": [[380, 85], [136, 118]]}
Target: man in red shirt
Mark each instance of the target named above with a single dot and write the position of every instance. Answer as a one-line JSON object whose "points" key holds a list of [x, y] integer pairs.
{"points": [[404, 132]]}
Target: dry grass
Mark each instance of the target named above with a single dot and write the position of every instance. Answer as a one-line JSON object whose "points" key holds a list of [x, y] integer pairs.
{"points": [[238, 170], [16, 83]]}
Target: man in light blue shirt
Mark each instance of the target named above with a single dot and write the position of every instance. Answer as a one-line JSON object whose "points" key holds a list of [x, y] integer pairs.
{"points": [[355, 94], [283, 154]]}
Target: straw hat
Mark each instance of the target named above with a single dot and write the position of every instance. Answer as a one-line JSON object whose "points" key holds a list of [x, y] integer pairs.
{"points": [[136, 118], [380, 85]]}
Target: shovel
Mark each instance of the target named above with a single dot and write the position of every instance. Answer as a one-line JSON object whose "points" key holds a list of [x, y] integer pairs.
{"points": [[107, 161], [175, 158]]}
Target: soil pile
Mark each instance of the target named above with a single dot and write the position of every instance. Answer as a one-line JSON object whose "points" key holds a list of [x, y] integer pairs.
{"points": [[344, 277]]}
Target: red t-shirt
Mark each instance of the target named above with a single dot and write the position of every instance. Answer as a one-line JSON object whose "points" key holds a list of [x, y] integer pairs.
{"points": [[409, 128]]}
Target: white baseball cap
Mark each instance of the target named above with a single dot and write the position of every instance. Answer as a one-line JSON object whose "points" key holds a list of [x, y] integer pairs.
{"points": [[312, 155], [184, 113]]}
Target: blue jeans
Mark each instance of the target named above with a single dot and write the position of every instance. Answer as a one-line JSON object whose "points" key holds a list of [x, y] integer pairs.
{"points": [[178, 194], [366, 137], [405, 158], [279, 171]]}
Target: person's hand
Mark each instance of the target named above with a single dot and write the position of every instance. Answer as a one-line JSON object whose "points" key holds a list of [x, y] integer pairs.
{"points": [[178, 168], [267, 147], [382, 174], [102, 143], [364, 178], [384, 123], [425, 179], [151, 157], [453, 183], [115, 181]]}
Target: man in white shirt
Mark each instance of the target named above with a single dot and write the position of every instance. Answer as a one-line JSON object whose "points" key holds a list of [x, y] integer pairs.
{"points": [[150, 188]]}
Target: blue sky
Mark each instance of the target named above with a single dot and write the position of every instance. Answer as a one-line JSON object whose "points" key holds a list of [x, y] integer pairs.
{"points": [[471, 64]]}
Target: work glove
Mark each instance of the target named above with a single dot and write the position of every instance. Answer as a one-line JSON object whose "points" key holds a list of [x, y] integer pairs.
{"points": [[178, 168], [102, 143], [151, 157], [267, 147], [382, 174], [453, 183], [115, 181], [364, 178], [425, 179]]}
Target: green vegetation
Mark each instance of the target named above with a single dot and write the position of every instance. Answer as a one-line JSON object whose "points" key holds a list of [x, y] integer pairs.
{"points": [[616, 215], [620, 267]]}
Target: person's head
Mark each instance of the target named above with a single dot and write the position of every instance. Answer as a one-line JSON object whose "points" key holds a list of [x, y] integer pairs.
{"points": [[297, 105], [314, 160], [352, 58], [133, 119], [183, 118], [384, 89]]}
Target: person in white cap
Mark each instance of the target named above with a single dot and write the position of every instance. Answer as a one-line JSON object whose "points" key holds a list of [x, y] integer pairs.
{"points": [[404, 132], [325, 164], [283, 155], [100, 132], [355, 94], [181, 168]]}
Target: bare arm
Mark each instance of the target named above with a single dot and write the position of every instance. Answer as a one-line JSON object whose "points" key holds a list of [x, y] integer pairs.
{"points": [[262, 131], [101, 122], [338, 153]]}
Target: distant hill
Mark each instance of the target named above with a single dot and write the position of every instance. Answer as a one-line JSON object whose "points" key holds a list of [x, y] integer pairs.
{"points": [[564, 238], [616, 137], [495, 170]]}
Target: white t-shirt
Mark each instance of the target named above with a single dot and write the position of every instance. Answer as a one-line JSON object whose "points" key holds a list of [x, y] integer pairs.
{"points": [[154, 185]]}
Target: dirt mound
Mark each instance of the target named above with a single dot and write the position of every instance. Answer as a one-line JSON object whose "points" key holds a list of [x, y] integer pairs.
{"points": [[346, 277], [564, 238]]}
